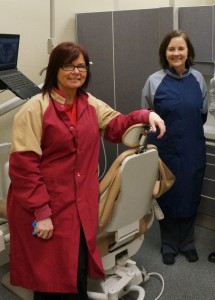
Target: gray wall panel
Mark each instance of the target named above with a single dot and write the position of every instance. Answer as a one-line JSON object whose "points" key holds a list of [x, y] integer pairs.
{"points": [[136, 45], [165, 21], [197, 22], [137, 36], [94, 32]]}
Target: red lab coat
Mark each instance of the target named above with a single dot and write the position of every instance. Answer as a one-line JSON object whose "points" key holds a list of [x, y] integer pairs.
{"points": [[53, 168]]}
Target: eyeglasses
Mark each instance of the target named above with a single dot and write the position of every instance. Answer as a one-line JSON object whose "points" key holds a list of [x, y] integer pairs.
{"points": [[71, 67]]}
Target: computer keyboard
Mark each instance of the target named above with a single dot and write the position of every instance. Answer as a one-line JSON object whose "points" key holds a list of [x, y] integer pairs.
{"points": [[19, 84], [17, 80]]}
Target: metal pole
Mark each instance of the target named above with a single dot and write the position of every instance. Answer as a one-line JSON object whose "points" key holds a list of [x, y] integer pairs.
{"points": [[51, 40]]}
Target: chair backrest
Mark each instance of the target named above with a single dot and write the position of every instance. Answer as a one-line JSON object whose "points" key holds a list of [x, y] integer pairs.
{"points": [[125, 209], [138, 176]]}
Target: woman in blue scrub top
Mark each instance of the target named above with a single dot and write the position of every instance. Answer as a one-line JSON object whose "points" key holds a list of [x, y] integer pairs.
{"points": [[178, 93]]}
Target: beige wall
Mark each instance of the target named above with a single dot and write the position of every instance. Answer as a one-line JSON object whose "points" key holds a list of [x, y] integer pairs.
{"points": [[31, 19]]}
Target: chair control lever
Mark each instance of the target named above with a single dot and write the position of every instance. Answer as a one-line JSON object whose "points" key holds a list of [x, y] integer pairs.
{"points": [[147, 130]]}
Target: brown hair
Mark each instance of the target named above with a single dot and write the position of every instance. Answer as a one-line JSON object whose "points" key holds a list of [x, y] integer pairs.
{"points": [[64, 53], [164, 44]]}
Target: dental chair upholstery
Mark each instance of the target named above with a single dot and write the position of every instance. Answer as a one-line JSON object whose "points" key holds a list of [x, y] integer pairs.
{"points": [[126, 212]]}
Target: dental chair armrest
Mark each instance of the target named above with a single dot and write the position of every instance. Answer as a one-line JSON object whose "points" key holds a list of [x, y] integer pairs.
{"points": [[157, 210], [3, 209], [4, 236], [2, 242]]}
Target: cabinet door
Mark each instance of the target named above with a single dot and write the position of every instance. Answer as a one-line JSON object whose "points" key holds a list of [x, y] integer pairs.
{"points": [[137, 37], [197, 22], [207, 205]]}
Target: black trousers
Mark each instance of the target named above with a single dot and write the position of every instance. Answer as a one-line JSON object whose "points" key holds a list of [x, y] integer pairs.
{"points": [[55, 296], [81, 279], [177, 234]]}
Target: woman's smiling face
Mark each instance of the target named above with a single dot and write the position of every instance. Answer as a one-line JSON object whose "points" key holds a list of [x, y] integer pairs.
{"points": [[72, 80], [176, 54]]}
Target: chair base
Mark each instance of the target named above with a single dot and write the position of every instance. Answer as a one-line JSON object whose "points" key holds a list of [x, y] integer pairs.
{"points": [[123, 280]]}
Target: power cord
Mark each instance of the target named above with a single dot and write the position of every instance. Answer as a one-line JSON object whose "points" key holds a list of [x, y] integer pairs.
{"points": [[146, 277], [162, 281], [105, 159]]}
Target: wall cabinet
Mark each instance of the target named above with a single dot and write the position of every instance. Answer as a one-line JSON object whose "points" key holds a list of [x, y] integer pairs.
{"points": [[207, 206], [198, 22]]}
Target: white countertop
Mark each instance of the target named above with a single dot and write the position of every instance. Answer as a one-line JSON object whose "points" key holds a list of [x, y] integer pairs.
{"points": [[209, 127], [209, 132]]}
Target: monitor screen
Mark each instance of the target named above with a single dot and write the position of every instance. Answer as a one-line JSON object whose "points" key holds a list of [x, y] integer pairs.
{"points": [[9, 46]]}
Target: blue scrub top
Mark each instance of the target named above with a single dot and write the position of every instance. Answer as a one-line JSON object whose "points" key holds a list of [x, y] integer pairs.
{"points": [[181, 101]]}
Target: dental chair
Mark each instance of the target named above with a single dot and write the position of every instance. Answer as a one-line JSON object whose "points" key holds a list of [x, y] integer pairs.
{"points": [[127, 210]]}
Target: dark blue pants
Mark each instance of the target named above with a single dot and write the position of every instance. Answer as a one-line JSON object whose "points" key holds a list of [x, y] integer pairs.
{"points": [[177, 235]]}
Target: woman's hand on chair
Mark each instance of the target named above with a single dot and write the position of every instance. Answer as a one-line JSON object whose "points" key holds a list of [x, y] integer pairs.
{"points": [[156, 121]]}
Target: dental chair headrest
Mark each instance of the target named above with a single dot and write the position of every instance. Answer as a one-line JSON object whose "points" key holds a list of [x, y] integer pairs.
{"points": [[134, 135]]}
